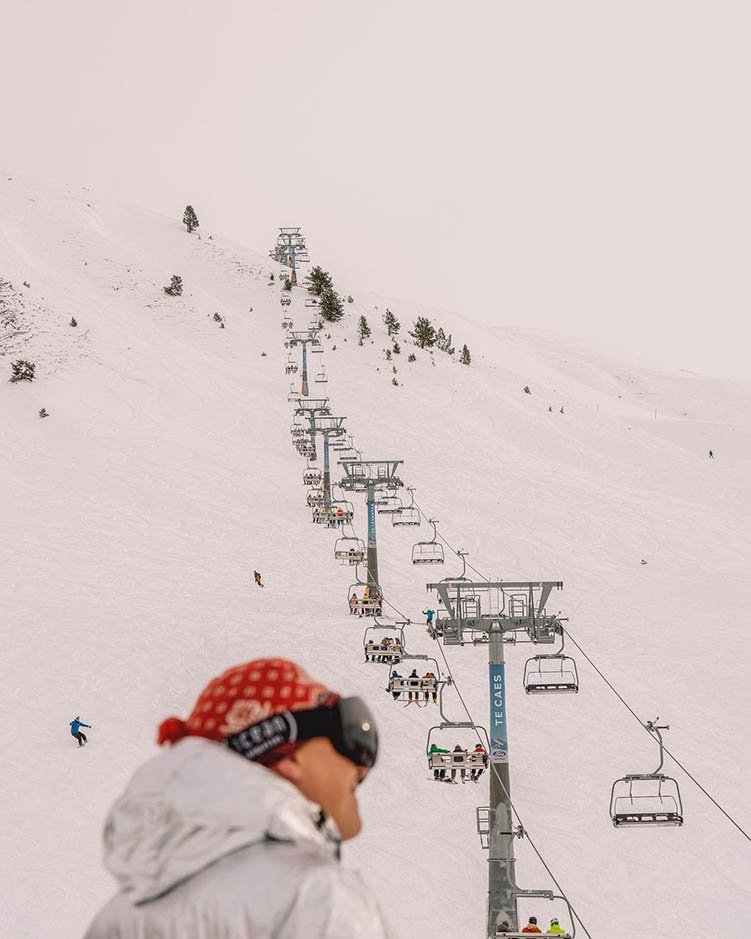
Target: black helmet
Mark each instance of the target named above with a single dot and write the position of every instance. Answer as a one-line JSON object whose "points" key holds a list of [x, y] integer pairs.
{"points": [[533, 920]]}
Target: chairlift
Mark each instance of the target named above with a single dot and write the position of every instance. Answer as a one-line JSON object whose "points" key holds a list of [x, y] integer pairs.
{"points": [[387, 505], [321, 377], [286, 323], [460, 759], [386, 650], [407, 514], [369, 603], [311, 477], [290, 368], [293, 394], [428, 552], [344, 509], [554, 673], [285, 299], [311, 301], [348, 456], [647, 799], [349, 550]]}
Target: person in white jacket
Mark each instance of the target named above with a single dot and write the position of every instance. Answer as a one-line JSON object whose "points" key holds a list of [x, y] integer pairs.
{"points": [[234, 832]]}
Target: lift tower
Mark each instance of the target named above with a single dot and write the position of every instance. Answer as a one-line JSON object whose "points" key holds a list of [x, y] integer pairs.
{"points": [[304, 338], [486, 612], [328, 427], [290, 250], [368, 476]]}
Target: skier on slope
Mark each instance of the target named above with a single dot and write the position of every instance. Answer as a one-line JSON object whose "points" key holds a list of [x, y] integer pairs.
{"points": [[75, 728], [429, 614], [236, 828], [257, 579]]}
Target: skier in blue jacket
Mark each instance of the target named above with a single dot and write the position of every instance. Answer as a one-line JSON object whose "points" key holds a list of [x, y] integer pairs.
{"points": [[75, 730], [429, 614]]}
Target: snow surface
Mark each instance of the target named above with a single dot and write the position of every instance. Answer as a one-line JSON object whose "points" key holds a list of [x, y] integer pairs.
{"points": [[134, 515]]}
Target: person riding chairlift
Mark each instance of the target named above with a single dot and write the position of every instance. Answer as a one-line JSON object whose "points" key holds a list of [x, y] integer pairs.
{"points": [[395, 692], [353, 601], [532, 926], [477, 771], [431, 677], [555, 928], [459, 749], [439, 772]]}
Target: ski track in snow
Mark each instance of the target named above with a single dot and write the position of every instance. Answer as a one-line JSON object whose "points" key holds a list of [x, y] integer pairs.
{"points": [[134, 515]]}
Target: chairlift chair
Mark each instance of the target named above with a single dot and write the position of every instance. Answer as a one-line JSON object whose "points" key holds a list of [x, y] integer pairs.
{"points": [[387, 649], [555, 673], [469, 760], [428, 552], [360, 605], [349, 550], [285, 299], [311, 477], [647, 800], [387, 505], [290, 368], [551, 674], [321, 377]]}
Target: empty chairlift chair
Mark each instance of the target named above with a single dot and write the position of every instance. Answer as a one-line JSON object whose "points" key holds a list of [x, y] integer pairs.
{"points": [[428, 552], [554, 673], [647, 800], [321, 377], [407, 514], [349, 550]]}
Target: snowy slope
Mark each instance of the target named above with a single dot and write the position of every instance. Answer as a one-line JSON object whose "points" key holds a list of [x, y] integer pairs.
{"points": [[134, 514]]}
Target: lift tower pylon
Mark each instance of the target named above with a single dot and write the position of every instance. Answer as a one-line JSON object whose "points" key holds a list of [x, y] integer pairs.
{"points": [[290, 250], [304, 338], [328, 427], [485, 612], [368, 476]]}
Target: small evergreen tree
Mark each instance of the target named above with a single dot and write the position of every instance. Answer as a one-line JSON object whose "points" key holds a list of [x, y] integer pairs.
{"points": [[175, 288], [363, 330], [43, 412], [394, 381], [388, 354], [423, 332], [412, 357], [392, 323], [73, 321], [350, 299], [287, 285], [440, 338], [526, 390], [22, 370], [330, 305], [190, 219], [318, 280], [397, 348], [466, 358]]}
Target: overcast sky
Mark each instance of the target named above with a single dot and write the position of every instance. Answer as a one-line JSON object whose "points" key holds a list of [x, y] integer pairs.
{"points": [[580, 165]]}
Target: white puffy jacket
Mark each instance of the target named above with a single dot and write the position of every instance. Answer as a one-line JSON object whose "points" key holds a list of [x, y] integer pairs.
{"points": [[207, 845]]}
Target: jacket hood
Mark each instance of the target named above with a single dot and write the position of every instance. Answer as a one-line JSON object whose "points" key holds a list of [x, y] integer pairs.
{"points": [[195, 803]]}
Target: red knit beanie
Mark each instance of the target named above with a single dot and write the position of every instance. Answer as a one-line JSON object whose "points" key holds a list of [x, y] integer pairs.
{"points": [[244, 695]]}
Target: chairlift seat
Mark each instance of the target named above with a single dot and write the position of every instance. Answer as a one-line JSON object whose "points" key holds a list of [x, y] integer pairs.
{"points": [[405, 685], [427, 552], [646, 800], [387, 651], [551, 674], [406, 515]]}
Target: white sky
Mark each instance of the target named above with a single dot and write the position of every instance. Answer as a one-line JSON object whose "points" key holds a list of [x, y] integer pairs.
{"points": [[580, 165]]}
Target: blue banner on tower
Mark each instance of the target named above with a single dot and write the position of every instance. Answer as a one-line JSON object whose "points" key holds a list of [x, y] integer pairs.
{"points": [[371, 524], [498, 724]]}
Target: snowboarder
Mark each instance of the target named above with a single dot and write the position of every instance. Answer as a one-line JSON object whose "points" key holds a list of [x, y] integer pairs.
{"points": [[429, 614], [532, 926], [257, 579], [555, 928], [711, 455], [227, 827], [75, 729]]}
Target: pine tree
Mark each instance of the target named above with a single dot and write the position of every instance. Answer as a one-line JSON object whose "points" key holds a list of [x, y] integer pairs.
{"points": [[330, 306], [190, 219], [466, 358], [73, 321], [392, 323], [397, 348], [363, 330], [423, 332], [287, 285], [440, 339], [175, 288], [22, 370], [318, 280]]}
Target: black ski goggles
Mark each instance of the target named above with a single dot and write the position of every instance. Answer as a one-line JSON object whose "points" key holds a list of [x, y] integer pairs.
{"points": [[347, 723]]}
